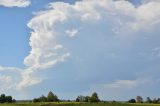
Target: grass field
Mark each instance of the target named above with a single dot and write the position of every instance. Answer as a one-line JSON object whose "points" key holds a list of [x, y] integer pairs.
{"points": [[76, 104]]}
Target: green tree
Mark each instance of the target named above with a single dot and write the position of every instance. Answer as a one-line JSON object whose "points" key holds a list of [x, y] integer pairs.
{"points": [[8, 99], [52, 97], [13, 100], [80, 98], [132, 101], [77, 100], [36, 100], [43, 98], [156, 100], [148, 100], [2, 98], [94, 97], [139, 99], [87, 99]]}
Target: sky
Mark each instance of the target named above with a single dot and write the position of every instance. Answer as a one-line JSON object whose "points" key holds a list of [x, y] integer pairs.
{"points": [[79, 47]]}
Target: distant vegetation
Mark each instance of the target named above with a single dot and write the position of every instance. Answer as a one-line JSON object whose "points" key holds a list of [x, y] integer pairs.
{"points": [[52, 100], [6, 99], [51, 97], [139, 99], [93, 98], [76, 104]]}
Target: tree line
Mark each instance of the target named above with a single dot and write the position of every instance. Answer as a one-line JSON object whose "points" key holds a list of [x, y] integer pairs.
{"points": [[93, 98], [51, 97], [139, 99], [6, 99]]}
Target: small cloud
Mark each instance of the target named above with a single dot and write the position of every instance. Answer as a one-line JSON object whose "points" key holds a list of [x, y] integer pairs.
{"points": [[27, 81], [58, 47], [6, 83], [72, 32], [147, 1], [15, 3], [156, 52], [122, 83], [13, 69], [127, 83]]}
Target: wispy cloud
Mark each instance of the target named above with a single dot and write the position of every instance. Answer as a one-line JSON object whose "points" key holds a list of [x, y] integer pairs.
{"points": [[156, 52], [6, 83], [15, 69], [127, 83], [15, 3], [72, 32], [146, 1]]}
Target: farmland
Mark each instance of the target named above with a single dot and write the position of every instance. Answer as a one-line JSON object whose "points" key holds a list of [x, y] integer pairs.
{"points": [[75, 104]]}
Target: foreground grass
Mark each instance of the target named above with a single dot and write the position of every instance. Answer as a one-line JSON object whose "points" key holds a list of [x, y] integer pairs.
{"points": [[75, 104]]}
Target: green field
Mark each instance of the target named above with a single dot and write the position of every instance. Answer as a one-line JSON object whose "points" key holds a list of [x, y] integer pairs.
{"points": [[76, 104]]}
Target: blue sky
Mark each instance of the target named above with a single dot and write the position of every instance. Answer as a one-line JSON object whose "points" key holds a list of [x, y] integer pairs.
{"points": [[77, 47]]}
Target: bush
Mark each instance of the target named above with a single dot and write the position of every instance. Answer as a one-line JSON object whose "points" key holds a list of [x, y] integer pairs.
{"points": [[94, 98], [50, 98], [132, 101], [4, 98], [36, 100]]}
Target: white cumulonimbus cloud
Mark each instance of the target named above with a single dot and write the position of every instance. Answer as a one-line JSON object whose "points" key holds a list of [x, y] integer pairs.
{"points": [[57, 21], [15, 3]]}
